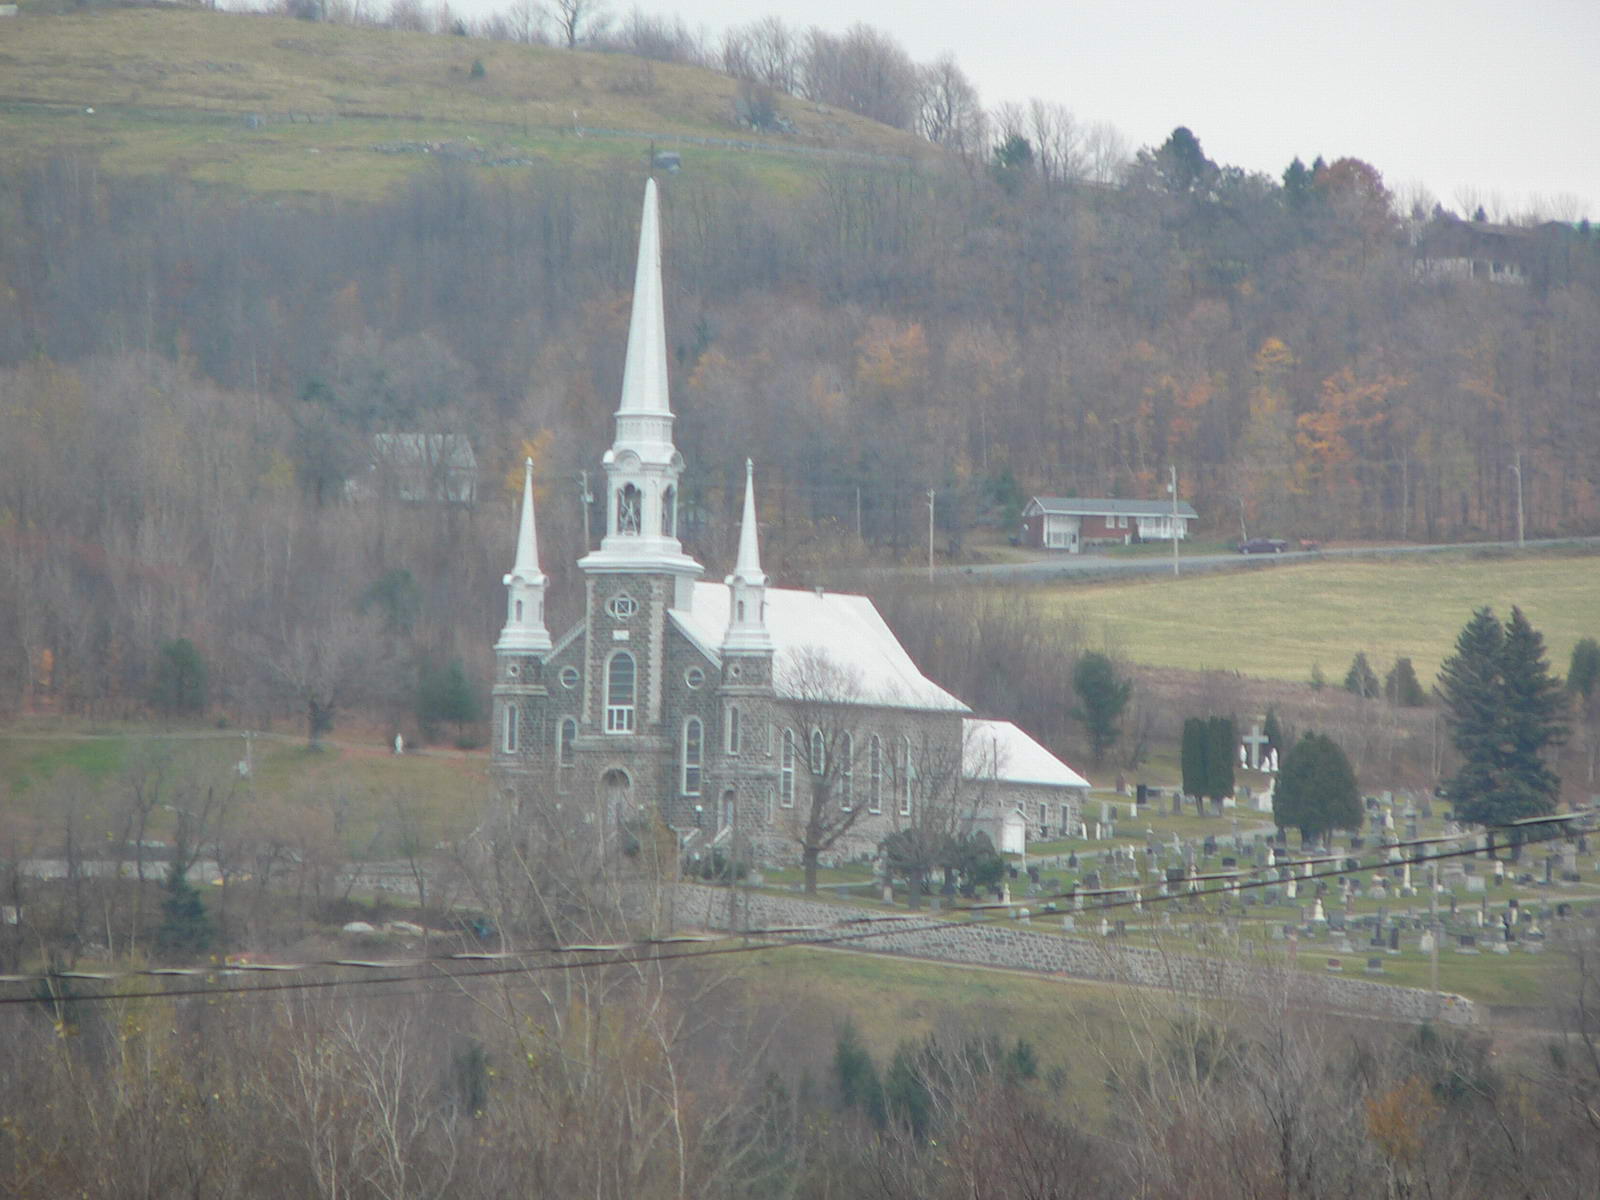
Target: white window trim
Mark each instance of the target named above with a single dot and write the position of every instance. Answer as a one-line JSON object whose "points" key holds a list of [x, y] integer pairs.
{"points": [[508, 736], [786, 771], [731, 731], [819, 752], [564, 765], [696, 764], [875, 775], [847, 773], [905, 771], [620, 717]]}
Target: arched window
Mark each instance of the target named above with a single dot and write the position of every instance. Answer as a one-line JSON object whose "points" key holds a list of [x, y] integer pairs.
{"points": [[730, 730], [519, 610], [628, 510], [619, 693], [819, 753], [906, 771], [847, 772], [875, 775], [739, 612], [786, 771], [510, 738], [567, 747], [693, 749], [669, 512]]}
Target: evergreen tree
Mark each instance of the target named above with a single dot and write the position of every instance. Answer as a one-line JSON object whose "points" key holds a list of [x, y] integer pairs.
{"points": [[445, 695], [180, 685], [1102, 697], [1402, 687], [186, 928], [1318, 679], [857, 1075], [1361, 679], [905, 1092], [1583, 674], [1535, 711], [1316, 791], [1504, 709], [1222, 740]]}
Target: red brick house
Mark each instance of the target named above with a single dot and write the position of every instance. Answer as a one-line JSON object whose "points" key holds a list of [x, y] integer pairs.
{"points": [[1071, 524]]}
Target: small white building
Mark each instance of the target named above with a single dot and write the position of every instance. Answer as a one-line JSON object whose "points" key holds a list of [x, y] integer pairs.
{"points": [[1023, 780]]}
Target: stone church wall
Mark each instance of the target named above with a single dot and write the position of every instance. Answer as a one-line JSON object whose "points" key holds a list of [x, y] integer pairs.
{"points": [[1033, 949]]}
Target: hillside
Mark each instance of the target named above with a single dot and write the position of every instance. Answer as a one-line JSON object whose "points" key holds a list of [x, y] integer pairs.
{"points": [[283, 106]]}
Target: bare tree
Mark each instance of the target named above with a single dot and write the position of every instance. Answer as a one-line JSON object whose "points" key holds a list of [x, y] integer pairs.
{"points": [[948, 111], [833, 766], [325, 666], [936, 804], [577, 20]]}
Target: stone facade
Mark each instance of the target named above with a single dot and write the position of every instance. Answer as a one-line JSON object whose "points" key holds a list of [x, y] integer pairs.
{"points": [[690, 701]]}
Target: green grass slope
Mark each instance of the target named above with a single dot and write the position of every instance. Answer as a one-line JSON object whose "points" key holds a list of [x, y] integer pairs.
{"points": [[1277, 623], [277, 105]]}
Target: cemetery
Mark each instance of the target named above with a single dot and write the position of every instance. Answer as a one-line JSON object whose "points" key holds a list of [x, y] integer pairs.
{"points": [[1412, 899]]}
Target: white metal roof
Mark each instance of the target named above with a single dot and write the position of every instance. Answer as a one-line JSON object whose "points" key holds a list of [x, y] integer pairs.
{"points": [[1075, 506], [1000, 750], [845, 631]]}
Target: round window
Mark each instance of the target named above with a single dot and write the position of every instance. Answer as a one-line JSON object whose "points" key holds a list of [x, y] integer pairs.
{"points": [[569, 677], [733, 671], [694, 677], [513, 670], [622, 607]]}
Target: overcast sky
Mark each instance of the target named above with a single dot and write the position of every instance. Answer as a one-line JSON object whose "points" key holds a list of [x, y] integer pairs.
{"points": [[1494, 100]]}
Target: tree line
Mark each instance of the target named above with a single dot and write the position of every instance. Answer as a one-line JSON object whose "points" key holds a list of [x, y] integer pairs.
{"points": [[195, 384]]}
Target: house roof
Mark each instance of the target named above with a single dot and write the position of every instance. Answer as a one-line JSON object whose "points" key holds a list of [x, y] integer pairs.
{"points": [[1074, 506], [844, 630], [1001, 751]]}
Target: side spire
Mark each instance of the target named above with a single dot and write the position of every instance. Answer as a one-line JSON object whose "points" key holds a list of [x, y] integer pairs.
{"points": [[748, 568], [527, 561], [747, 611], [525, 630]]}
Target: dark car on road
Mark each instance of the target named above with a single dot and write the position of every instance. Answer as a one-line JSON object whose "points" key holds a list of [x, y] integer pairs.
{"points": [[1263, 546]]}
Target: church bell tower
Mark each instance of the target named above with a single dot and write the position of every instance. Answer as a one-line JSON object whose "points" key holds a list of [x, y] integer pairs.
{"points": [[640, 570]]}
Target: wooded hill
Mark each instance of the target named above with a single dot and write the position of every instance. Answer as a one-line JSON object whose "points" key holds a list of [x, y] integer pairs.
{"points": [[193, 375]]}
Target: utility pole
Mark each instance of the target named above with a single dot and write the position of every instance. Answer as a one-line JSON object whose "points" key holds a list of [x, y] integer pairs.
{"points": [[930, 535], [585, 500], [858, 512], [1516, 466], [1172, 486]]}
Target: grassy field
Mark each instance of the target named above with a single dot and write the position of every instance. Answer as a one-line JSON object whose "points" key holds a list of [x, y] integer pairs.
{"points": [[359, 787], [1278, 623], [282, 106], [1071, 1024]]}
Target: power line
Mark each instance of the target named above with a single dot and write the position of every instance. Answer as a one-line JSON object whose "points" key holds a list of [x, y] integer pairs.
{"points": [[903, 923]]}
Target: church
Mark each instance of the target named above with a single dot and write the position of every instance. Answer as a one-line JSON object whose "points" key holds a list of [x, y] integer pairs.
{"points": [[748, 717]]}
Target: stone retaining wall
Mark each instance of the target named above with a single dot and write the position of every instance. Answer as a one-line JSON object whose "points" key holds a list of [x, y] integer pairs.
{"points": [[1006, 944]]}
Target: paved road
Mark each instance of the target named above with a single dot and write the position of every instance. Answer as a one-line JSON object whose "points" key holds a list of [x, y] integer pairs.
{"points": [[1091, 566]]}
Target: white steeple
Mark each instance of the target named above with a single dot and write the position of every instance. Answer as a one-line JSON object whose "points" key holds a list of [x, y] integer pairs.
{"points": [[747, 613], [525, 630], [643, 466]]}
